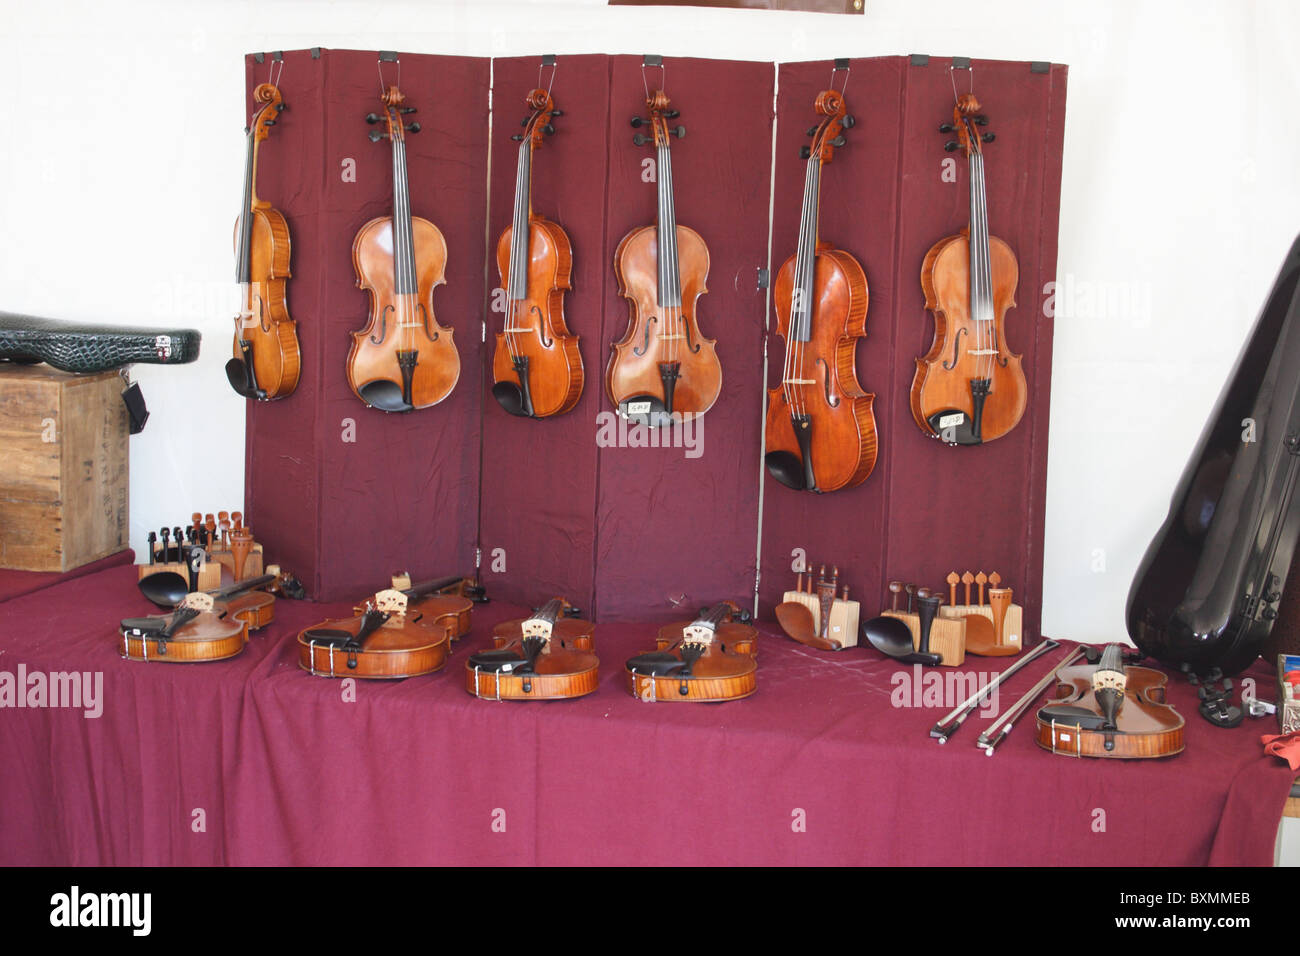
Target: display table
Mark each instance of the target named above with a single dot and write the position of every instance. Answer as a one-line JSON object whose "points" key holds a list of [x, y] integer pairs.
{"points": [[253, 761]]}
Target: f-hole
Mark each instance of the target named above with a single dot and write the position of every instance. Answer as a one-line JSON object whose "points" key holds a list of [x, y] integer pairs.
{"points": [[428, 324], [645, 345], [956, 345], [263, 320], [832, 400], [541, 327], [383, 326]]}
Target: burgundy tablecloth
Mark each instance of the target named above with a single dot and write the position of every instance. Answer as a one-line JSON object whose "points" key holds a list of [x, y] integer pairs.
{"points": [[16, 583], [252, 761]]}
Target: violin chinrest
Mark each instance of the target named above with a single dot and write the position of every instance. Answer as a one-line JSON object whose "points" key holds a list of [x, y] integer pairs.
{"points": [[656, 664], [164, 588], [506, 661], [511, 398], [385, 396], [786, 468], [239, 373], [329, 635], [144, 625], [1074, 716]]}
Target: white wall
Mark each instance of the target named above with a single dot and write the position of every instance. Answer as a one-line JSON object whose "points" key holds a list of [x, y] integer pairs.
{"points": [[1181, 193]]}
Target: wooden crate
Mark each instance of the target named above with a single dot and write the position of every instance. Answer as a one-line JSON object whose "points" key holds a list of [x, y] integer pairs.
{"points": [[64, 485]]}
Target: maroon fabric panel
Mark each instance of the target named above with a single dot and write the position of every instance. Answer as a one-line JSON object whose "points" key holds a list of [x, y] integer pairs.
{"points": [[17, 583], [404, 491], [674, 530], [282, 463], [927, 509], [858, 214], [287, 771], [539, 475]]}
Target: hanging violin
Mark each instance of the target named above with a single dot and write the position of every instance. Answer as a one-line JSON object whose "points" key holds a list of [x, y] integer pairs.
{"points": [[395, 634], [267, 361], [193, 633], [969, 388], [712, 658], [820, 432], [544, 657], [1110, 710], [662, 367], [537, 368], [403, 359]]}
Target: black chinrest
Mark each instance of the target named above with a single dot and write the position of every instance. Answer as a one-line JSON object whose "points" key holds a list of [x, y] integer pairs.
{"points": [[786, 468], [385, 396], [164, 588], [240, 375], [500, 661], [510, 397], [1074, 716], [656, 664]]}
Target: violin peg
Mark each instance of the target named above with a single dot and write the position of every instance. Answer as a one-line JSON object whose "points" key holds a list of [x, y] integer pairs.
{"points": [[637, 122], [811, 131], [995, 579], [987, 137], [945, 128], [894, 588], [549, 129], [281, 107], [981, 120], [413, 128], [922, 593], [672, 114], [848, 122], [950, 146], [837, 141], [640, 139], [680, 132], [407, 109], [372, 118], [557, 112], [804, 152], [376, 136]]}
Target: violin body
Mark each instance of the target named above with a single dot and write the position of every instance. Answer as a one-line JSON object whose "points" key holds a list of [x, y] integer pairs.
{"points": [[944, 373], [373, 357], [553, 362], [255, 608], [544, 657], [654, 336], [724, 668], [1075, 723], [403, 646], [200, 633], [841, 431]]}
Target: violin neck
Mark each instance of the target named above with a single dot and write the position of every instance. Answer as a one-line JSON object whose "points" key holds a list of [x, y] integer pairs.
{"points": [[670, 275], [519, 234], [243, 260], [403, 232], [981, 272], [805, 261]]}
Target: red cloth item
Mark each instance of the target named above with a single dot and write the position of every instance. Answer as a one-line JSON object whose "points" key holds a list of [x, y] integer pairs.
{"points": [[15, 583], [253, 761], [1286, 746]]}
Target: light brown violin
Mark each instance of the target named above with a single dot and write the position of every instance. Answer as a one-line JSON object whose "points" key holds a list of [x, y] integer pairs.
{"points": [[662, 367], [395, 634], [537, 368], [547, 656], [403, 359], [193, 633], [820, 432], [712, 658], [969, 388], [267, 360]]}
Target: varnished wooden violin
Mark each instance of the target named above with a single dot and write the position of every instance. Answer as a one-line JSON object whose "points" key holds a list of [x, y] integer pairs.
{"points": [[403, 359], [251, 600], [969, 388], [537, 369], [820, 432], [395, 634], [662, 367], [712, 658], [267, 360], [547, 656], [193, 633], [1110, 710]]}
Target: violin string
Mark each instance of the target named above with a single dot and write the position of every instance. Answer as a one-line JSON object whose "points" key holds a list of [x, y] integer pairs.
{"points": [[792, 336]]}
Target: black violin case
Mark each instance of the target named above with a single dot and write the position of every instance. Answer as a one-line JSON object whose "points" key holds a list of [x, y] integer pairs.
{"points": [[85, 347]]}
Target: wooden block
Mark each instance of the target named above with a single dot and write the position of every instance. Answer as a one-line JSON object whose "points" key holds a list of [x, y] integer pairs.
{"points": [[65, 484], [1012, 625], [947, 636]]}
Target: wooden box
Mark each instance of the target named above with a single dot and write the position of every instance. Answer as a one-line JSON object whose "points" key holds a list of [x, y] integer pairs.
{"points": [[64, 484]]}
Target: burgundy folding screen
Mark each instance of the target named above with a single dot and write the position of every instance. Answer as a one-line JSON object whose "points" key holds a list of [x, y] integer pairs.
{"points": [[927, 508], [338, 492]]}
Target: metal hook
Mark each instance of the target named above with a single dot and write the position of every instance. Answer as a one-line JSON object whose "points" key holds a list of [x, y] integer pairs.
{"points": [[653, 60], [548, 59], [841, 64], [388, 57]]}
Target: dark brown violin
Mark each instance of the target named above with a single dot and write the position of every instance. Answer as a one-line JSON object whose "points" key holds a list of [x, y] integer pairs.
{"points": [[969, 388], [662, 367], [267, 361], [395, 634], [547, 656], [712, 658], [403, 359], [537, 369], [1110, 710], [193, 633], [821, 428]]}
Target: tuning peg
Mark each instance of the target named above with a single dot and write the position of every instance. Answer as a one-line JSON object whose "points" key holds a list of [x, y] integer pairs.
{"points": [[945, 128], [280, 107], [548, 129], [407, 109], [672, 114], [268, 123], [518, 137], [804, 152], [557, 112], [679, 132], [811, 130], [838, 141], [848, 122], [637, 122], [640, 139], [981, 120], [987, 137], [950, 146], [413, 128], [376, 136], [372, 118]]}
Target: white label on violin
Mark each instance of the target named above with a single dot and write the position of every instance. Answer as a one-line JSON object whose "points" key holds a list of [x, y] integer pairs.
{"points": [[1064, 738], [951, 421], [638, 408]]}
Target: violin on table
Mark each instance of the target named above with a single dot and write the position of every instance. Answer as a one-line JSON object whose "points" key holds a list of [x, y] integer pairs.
{"points": [[537, 369], [663, 369], [712, 658], [547, 656], [403, 359], [395, 634], [969, 388], [267, 359], [251, 600], [820, 430], [1109, 709], [196, 631]]}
